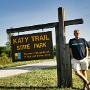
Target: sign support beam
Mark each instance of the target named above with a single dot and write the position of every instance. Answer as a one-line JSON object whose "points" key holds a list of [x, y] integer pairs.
{"points": [[43, 26], [61, 68]]}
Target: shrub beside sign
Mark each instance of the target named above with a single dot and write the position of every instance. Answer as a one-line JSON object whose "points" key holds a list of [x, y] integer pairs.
{"points": [[32, 46]]}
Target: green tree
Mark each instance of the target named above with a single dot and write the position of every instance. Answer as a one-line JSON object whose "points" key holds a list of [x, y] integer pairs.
{"points": [[5, 50], [88, 43], [88, 46], [8, 43]]}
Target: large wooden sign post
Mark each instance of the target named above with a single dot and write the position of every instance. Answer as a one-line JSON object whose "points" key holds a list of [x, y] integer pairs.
{"points": [[64, 70]]}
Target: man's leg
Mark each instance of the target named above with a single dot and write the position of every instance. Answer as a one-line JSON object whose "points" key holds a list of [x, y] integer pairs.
{"points": [[84, 67], [78, 65], [85, 75], [78, 73]]}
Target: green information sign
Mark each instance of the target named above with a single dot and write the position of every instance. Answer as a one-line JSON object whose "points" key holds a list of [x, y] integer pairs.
{"points": [[32, 46]]}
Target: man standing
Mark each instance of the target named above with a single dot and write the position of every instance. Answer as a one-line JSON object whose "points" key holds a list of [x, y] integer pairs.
{"points": [[79, 53]]}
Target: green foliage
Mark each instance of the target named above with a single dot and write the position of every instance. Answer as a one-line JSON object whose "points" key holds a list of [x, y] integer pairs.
{"points": [[8, 43], [89, 47], [2, 49], [3, 54], [89, 43], [8, 52], [5, 50], [11, 64], [4, 59], [89, 51]]}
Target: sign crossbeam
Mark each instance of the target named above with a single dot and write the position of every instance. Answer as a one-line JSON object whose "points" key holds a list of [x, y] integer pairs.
{"points": [[44, 26]]}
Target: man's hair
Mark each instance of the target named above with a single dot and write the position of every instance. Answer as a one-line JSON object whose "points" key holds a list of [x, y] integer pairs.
{"points": [[76, 31]]}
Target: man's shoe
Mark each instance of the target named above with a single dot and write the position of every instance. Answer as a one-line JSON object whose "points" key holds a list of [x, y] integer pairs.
{"points": [[85, 88], [88, 86]]}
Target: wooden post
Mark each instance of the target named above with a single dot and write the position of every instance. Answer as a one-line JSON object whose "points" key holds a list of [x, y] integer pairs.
{"points": [[64, 70], [58, 56], [62, 33], [68, 67], [61, 41]]}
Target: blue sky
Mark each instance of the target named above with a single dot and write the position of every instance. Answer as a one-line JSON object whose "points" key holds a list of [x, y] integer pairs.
{"points": [[20, 13]]}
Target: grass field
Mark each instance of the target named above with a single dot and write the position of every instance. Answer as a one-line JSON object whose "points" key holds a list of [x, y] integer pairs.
{"points": [[43, 79]]}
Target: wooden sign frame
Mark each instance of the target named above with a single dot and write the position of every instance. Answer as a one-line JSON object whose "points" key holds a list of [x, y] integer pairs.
{"points": [[32, 46]]}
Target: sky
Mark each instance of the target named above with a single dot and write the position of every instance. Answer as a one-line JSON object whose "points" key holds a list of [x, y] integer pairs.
{"points": [[20, 13]]}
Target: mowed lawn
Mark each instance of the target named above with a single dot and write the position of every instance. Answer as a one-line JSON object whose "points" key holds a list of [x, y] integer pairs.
{"points": [[43, 79]]}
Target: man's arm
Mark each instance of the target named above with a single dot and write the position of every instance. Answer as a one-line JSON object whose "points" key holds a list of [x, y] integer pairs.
{"points": [[71, 53], [87, 46]]}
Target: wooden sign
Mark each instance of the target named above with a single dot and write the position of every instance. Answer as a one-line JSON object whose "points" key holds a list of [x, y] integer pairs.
{"points": [[32, 46], [39, 46]]}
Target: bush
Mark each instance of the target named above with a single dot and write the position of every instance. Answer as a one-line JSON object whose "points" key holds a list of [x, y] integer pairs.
{"points": [[4, 59], [6, 50], [89, 51], [3, 54]]}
